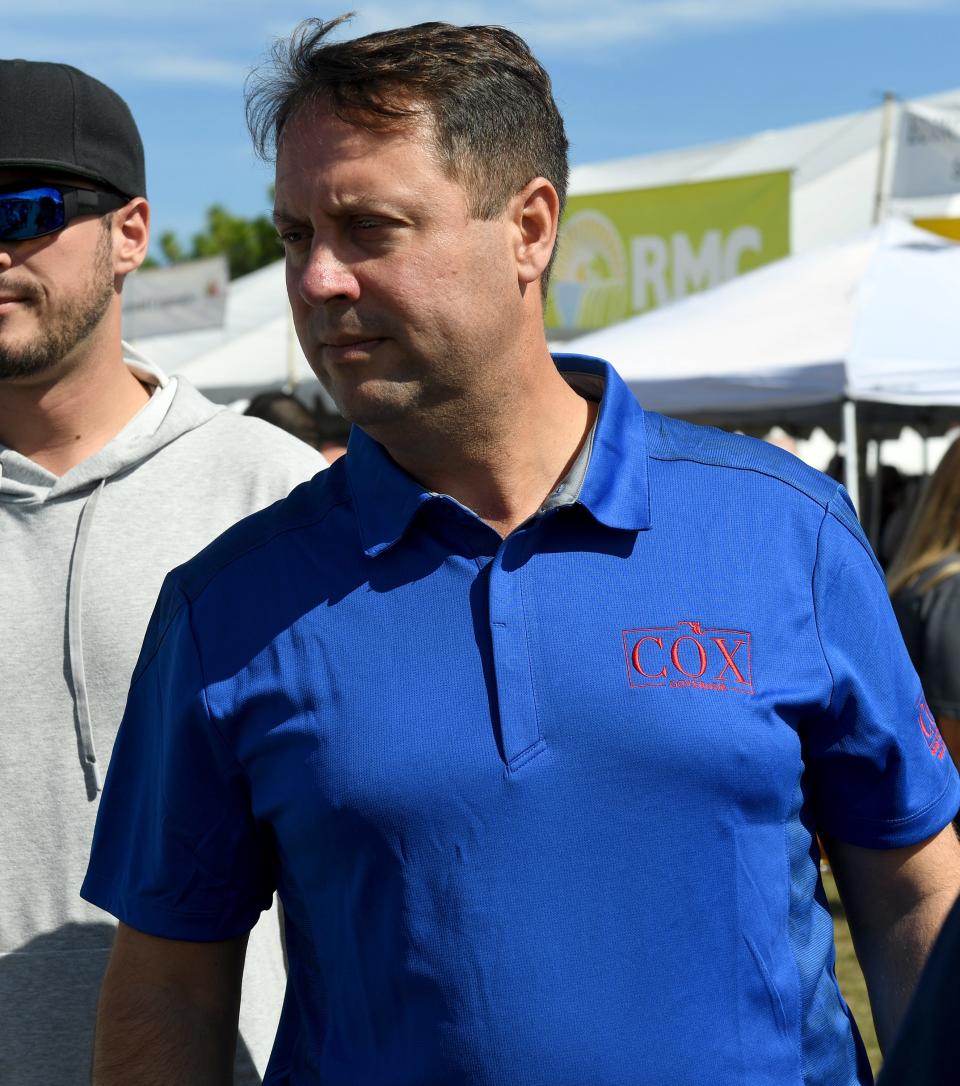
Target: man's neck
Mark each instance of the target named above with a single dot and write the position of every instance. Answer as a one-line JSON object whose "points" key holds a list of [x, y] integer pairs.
{"points": [[69, 414], [503, 460]]}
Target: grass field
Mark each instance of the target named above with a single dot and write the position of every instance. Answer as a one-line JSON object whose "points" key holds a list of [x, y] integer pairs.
{"points": [[849, 975]]}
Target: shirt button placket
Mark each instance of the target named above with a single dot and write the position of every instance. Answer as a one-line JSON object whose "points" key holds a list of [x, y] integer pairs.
{"points": [[519, 723]]}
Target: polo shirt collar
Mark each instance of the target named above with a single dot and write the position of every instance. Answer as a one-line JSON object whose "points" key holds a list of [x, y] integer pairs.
{"points": [[614, 490], [385, 497]]}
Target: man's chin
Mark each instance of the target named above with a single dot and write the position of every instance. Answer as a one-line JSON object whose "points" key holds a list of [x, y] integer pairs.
{"points": [[372, 402], [377, 415], [24, 364]]}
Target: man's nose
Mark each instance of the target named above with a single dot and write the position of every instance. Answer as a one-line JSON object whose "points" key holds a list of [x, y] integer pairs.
{"points": [[326, 276]]}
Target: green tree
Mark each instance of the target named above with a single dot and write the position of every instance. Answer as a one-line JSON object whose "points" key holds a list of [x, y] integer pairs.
{"points": [[248, 244], [171, 248]]}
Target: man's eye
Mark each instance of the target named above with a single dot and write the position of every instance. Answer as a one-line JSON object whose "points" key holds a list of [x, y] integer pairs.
{"points": [[290, 237]]}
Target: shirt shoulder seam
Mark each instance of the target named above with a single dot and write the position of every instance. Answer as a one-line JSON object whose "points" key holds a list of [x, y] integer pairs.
{"points": [[193, 594], [860, 540], [189, 598], [207, 712], [816, 611], [824, 503]]}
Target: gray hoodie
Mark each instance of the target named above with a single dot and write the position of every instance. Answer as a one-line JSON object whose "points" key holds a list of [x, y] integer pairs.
{"points": [[82, 558]]}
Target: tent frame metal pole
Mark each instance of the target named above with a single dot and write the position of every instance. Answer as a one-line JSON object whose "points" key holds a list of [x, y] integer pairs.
{"points": [[293, 378], [851, 459], [886, 126], [875, 476]]}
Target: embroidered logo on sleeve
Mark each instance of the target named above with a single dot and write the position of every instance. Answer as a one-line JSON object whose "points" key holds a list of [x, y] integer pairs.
{"points": [[690, 655], [930, 730]]}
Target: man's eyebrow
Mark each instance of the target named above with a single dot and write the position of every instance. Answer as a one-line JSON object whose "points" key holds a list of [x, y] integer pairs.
{"points": [[281, 215], [348, 202]]}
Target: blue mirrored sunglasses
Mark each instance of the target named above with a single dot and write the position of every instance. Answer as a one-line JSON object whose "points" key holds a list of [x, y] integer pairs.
{"points": [[37, 210]]}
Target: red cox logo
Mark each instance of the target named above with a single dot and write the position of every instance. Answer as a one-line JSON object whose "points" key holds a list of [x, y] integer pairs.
{"points": [[690, 655], [930, 730]]}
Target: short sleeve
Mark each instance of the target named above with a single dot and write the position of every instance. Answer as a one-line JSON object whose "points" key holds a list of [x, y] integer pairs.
{"points": [[176, 852], [879, 772]]}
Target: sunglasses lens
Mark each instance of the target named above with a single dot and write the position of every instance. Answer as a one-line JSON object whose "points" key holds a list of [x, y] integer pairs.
{"points": [[30, 213]]}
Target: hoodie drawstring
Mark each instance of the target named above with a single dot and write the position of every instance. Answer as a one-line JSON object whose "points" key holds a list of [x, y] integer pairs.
{"points": [[88, 753]]}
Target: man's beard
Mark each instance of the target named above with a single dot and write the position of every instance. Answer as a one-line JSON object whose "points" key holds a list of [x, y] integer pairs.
{"points": [[70, 322]]}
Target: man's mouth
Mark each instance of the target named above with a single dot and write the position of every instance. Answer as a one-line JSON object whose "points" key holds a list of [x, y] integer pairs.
{"points": [[12, 295], [348, 348], [349, 341]]}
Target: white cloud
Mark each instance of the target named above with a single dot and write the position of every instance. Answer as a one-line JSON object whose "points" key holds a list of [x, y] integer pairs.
{"points": [[177, 68], [118, 11], [575, 25], [145, 41], [162, 59]]}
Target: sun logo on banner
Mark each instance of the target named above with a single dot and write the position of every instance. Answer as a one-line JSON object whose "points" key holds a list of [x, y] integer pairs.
{"points": [[589, 279]]}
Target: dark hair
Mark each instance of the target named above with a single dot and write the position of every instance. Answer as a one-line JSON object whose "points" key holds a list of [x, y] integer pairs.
{"points": [[285, 410], [934, 534], [496, 125], [332, 427]]}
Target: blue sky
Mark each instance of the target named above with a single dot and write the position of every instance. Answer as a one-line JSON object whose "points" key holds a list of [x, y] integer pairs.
{"points": [[630, 76]]}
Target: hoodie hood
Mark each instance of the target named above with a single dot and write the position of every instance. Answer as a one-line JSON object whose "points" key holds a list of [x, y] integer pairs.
{"points": [[174, 408]]}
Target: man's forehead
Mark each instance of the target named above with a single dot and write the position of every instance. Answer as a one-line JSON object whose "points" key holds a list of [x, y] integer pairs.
{"points": [[314, 126], [405, 114], [320, 152]]}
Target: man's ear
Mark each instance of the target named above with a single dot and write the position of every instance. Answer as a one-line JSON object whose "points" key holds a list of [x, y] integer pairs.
{"points": [[131, 236], [535, 211]]}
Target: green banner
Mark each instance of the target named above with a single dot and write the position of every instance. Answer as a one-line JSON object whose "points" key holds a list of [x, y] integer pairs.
{"points": [[624, 253]]}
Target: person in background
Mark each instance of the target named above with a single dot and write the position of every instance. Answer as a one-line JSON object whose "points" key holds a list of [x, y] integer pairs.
{"points": [[531, 705], [334, 431], [899, 494], [111, 474], [285, 410], [325, 430], [924, 583]]}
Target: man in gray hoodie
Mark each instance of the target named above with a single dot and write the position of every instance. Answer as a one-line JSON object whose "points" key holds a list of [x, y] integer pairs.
{"points": [[111, 473]]}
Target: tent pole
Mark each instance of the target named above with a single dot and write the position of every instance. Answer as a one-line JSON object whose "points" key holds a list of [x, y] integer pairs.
{"points": [[876, 492], [851, 462], [886, 126], [292, 375]]}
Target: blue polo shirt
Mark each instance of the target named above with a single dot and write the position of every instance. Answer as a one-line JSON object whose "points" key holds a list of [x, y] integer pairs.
{"points": [[540, 810]]}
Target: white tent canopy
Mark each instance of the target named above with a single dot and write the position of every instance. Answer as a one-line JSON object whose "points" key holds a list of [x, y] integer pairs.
{"points": [[876, 318], [835, 165]]}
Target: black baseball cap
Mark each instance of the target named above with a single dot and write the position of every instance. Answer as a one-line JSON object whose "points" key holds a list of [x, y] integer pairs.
{"points": [[56, 118]]}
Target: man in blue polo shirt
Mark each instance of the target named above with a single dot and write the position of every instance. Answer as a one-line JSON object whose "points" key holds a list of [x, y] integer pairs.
{"points": [[531, 707]]}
